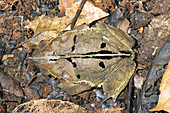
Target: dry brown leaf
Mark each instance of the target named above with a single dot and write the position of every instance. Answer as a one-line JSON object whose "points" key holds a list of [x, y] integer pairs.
{"points": [[47, 28], [104, 4], [63, 5], [10, 84], [46, 24], [164, 97], [89, 13], [49, 106], [57, 106], [92, 9]]}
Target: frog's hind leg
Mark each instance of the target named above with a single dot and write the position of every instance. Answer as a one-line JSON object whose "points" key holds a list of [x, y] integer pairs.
{"points": [[118, 79]]}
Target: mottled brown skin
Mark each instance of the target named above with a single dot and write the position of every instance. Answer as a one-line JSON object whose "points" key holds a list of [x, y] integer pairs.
{"points": [[71, 58]]}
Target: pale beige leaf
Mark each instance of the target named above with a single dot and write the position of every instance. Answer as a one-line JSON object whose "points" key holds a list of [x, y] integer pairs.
{"points": [[164, 97], [89, 13], [47, 28], [46, 23], [48, 106], [57, 106], [63, 5]]}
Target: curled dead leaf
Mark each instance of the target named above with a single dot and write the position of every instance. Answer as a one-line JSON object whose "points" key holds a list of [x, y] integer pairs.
{"points": [[57, 106], [50, 106], [164, 97]]}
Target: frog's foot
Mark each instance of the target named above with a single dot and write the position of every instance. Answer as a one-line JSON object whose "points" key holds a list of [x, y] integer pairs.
{"points": [[73, 88], [117, 80]]}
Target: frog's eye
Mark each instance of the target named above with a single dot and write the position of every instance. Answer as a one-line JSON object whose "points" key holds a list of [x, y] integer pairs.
{"points": [[78, 76], [103, 45], [101, 64]]}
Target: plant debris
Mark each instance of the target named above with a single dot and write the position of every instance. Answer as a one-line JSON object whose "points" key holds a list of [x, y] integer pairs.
{"points": [[150, 29], [164, 97], [10, 84]]}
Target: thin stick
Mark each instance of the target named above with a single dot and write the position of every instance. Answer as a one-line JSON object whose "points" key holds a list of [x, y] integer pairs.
{"points": [[129, 106], [78, 13]]}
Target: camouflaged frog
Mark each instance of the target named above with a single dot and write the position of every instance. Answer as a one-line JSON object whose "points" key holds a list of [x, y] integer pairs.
{"points": [[87, 57]]}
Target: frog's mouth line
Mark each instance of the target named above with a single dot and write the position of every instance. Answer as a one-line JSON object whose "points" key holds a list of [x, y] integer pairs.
{"points": [[96, 55]]}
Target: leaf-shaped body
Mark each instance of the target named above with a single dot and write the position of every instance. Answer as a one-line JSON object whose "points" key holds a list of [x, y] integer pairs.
{"points": [[87, 57]]}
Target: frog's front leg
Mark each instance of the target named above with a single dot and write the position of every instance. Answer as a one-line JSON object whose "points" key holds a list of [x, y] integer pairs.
{"points": [[73, 88], [119, 78]]}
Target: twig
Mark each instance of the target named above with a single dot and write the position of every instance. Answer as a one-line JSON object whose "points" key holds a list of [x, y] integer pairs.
{"points": [[78, 13], [130, 95]]}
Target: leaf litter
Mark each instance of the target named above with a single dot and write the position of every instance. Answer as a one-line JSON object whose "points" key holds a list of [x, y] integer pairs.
{"points": [[52, 37], [47, 28], [57, 106], [164, 97], [10, 84]]}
